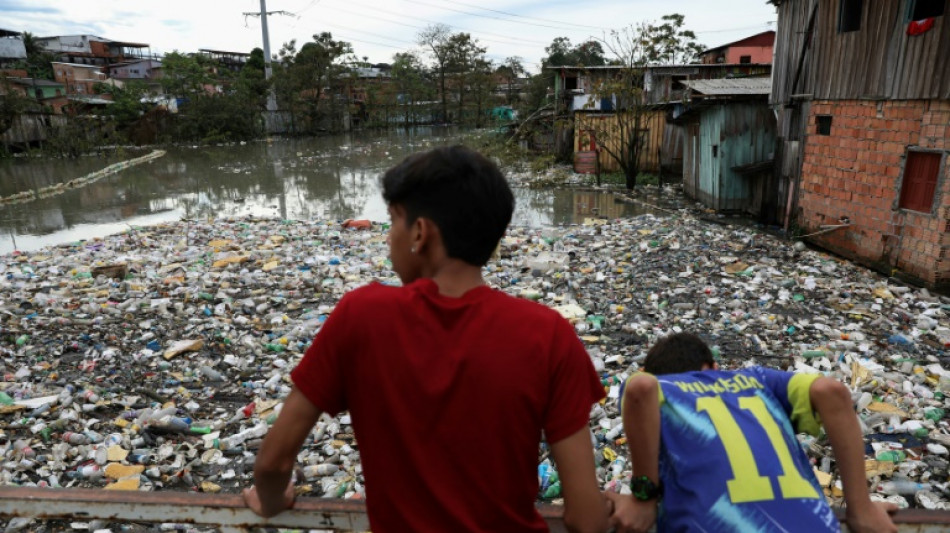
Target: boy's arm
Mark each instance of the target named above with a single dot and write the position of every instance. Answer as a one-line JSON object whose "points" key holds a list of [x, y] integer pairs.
{"points": [[641, 425], [272, 491], [585, 509], [832, 401]]}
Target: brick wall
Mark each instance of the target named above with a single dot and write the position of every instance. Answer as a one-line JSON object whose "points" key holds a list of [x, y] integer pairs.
{"points": [[855, 172]]}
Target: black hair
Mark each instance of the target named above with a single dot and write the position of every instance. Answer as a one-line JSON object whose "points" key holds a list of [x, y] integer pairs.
{"points": [[680, 352], [461, 191]]}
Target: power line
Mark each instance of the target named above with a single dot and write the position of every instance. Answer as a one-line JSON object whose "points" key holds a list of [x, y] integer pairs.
{"points": [[526, 17], [368, 33], [479, 34], [486, 16]]}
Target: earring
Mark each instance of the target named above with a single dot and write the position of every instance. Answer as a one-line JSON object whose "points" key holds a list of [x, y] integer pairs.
{"points": [[412, 250]]}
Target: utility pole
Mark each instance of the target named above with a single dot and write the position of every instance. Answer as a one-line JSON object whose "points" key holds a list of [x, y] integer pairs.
{"points": [[271, 98]]}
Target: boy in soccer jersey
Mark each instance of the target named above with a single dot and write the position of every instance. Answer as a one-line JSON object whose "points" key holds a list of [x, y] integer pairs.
{"points": [[716, 451], [450, 383]]}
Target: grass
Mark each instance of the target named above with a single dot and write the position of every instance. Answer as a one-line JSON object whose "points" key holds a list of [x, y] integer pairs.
{"points": [[618, 179]]}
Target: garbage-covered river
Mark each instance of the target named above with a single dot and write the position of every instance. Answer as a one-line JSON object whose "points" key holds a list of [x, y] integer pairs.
{"points": [[325, 178]]}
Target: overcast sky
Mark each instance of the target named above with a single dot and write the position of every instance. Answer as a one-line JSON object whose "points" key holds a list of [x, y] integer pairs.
{"points": [[376, 28]]}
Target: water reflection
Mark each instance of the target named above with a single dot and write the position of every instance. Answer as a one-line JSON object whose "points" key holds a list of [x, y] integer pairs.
{"points": [[316, 178]]}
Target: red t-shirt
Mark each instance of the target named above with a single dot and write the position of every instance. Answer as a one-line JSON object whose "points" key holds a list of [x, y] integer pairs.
{"points": [[449, 397]]}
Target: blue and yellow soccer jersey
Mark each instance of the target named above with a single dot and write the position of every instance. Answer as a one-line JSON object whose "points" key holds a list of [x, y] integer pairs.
{"points": [[729, 458]]}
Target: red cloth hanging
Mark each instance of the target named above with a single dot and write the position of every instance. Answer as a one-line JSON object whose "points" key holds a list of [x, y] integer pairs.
{"points": [[917, 27]]}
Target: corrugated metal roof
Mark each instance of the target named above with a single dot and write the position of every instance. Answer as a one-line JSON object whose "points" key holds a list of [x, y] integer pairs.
{"points": [[731, 86]]}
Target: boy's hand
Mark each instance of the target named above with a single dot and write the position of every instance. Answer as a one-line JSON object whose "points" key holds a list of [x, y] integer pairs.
{"points": [[253, 500], [872, 518], [631, 515]]}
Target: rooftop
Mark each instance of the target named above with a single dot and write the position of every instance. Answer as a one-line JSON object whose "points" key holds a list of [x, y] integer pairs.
{"points": [[35, 82], [767, 32]]}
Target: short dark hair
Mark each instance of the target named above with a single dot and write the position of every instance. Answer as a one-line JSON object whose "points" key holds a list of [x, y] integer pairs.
{"points": [[461, 191], [680, 352]]}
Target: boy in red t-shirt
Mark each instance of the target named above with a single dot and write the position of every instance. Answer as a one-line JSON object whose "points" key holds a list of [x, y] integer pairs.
{"points": [[450, 383]]}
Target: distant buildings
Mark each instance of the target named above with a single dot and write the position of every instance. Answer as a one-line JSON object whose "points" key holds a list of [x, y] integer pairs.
{"points": [[94, 50], [12, 49]]}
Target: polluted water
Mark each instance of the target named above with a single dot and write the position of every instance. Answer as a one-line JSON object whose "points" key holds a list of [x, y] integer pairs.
{"points": [[157, 359]]}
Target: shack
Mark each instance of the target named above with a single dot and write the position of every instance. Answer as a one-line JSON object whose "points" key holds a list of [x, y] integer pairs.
{"points": [[730, 144]]}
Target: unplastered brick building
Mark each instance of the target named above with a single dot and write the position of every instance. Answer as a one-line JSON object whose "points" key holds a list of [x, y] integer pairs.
{"points": [[862, 94]]}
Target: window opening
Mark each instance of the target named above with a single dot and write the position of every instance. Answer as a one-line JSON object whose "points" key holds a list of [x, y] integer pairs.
{"points": [[823, 123], [849, 15], [922, 9]]}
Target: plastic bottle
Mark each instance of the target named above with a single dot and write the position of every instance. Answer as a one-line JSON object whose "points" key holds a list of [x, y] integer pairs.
{"points": [[5, 399], [238, 438], [323, 469], [617, 467], [903, 487], [174, 423], [40, 410], [544, 474], [935, 414], [894, 456], [89, 396], [614, 432], [242, 413], [864, 401], [75, 438], [210, 373], [87, 472]]}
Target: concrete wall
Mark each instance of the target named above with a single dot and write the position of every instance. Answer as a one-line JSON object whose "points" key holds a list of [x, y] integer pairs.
{"points": [[759, 54], [856, 172], [12, 48]]}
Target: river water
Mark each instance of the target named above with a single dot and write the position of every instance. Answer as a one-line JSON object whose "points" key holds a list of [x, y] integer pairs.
{"points": [[334, 177]]}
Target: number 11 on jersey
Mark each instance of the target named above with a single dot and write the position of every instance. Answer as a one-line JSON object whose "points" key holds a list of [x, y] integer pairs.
{"points": [[746, 484]]}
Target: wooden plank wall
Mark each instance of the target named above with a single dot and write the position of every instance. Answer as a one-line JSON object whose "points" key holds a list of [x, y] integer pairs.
{"points": [[879, 61], [605, 126], [790, 39]]}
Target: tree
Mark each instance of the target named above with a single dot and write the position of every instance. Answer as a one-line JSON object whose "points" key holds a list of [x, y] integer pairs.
{"points": [[558, 53], [127, 106], [252, 80], [214, 105], [408, 74], [481, 83], [38, 60], [12, 104], [436, 38], [464, 58], [510, 70], [589, 54], [562, 53], [310, 81], [668, 43], [186, 76], [634, 48]]}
